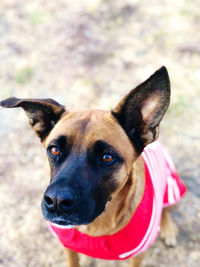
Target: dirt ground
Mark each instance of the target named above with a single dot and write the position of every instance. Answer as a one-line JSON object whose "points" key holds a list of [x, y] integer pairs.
{"points": [[87, 54]]}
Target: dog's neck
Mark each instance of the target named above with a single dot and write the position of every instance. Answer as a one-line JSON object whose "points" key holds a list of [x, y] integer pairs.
{"points": [[121, 208]]}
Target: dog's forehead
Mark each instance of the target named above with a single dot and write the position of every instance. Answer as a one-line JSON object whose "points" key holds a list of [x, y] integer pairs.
{"points": [[88, 126]]}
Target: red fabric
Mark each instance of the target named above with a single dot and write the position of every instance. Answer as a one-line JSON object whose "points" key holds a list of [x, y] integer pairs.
{"points": [[143, 227]]}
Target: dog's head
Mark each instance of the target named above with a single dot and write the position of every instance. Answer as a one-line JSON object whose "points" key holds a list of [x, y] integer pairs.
{"points": [[91, 152]]}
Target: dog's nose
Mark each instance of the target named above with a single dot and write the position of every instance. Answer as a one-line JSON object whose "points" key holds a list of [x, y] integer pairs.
{"points": [[59, 201]]}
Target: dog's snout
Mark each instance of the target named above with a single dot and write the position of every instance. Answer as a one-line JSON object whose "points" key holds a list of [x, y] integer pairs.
{"points": [[59, 200]]}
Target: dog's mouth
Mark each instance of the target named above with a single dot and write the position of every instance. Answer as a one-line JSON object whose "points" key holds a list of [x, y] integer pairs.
{"points": [[60, 223], [62, 226], [69, 207], [81, 214]]}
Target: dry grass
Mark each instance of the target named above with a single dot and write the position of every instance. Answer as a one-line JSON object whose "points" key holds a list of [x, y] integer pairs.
{"points": [[89, 54]]}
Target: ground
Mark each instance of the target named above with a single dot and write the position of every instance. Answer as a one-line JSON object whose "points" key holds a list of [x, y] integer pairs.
{"points": [[87, 54]]}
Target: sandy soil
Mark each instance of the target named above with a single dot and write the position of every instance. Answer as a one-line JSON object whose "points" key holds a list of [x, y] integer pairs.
{"points": [[89, 54]]}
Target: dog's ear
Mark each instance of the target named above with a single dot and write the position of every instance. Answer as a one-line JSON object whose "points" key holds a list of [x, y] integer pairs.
{"points": [[141, 111], [42, 113]]}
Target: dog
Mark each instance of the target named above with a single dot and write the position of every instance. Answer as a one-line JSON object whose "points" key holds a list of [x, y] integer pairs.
{"points": [[112, 183]]}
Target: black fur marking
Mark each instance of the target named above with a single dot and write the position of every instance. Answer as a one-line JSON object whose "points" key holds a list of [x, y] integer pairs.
{"points": [[89, 179], [133, 134], [98, 150]]}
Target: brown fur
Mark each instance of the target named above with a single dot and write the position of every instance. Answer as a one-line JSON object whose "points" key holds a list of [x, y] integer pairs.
{"points": [[128, 128], [79, 127], [108, 130]]}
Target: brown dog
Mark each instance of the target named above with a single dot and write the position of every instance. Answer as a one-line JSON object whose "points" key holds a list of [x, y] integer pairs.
{"points": [[100, 183]]}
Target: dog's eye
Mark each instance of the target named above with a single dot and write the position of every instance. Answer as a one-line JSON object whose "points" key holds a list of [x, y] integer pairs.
{"points": [[54, 151], [107, 158]]}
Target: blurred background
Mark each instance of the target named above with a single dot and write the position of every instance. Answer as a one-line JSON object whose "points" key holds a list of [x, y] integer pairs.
{"points": [[88, 54]]}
